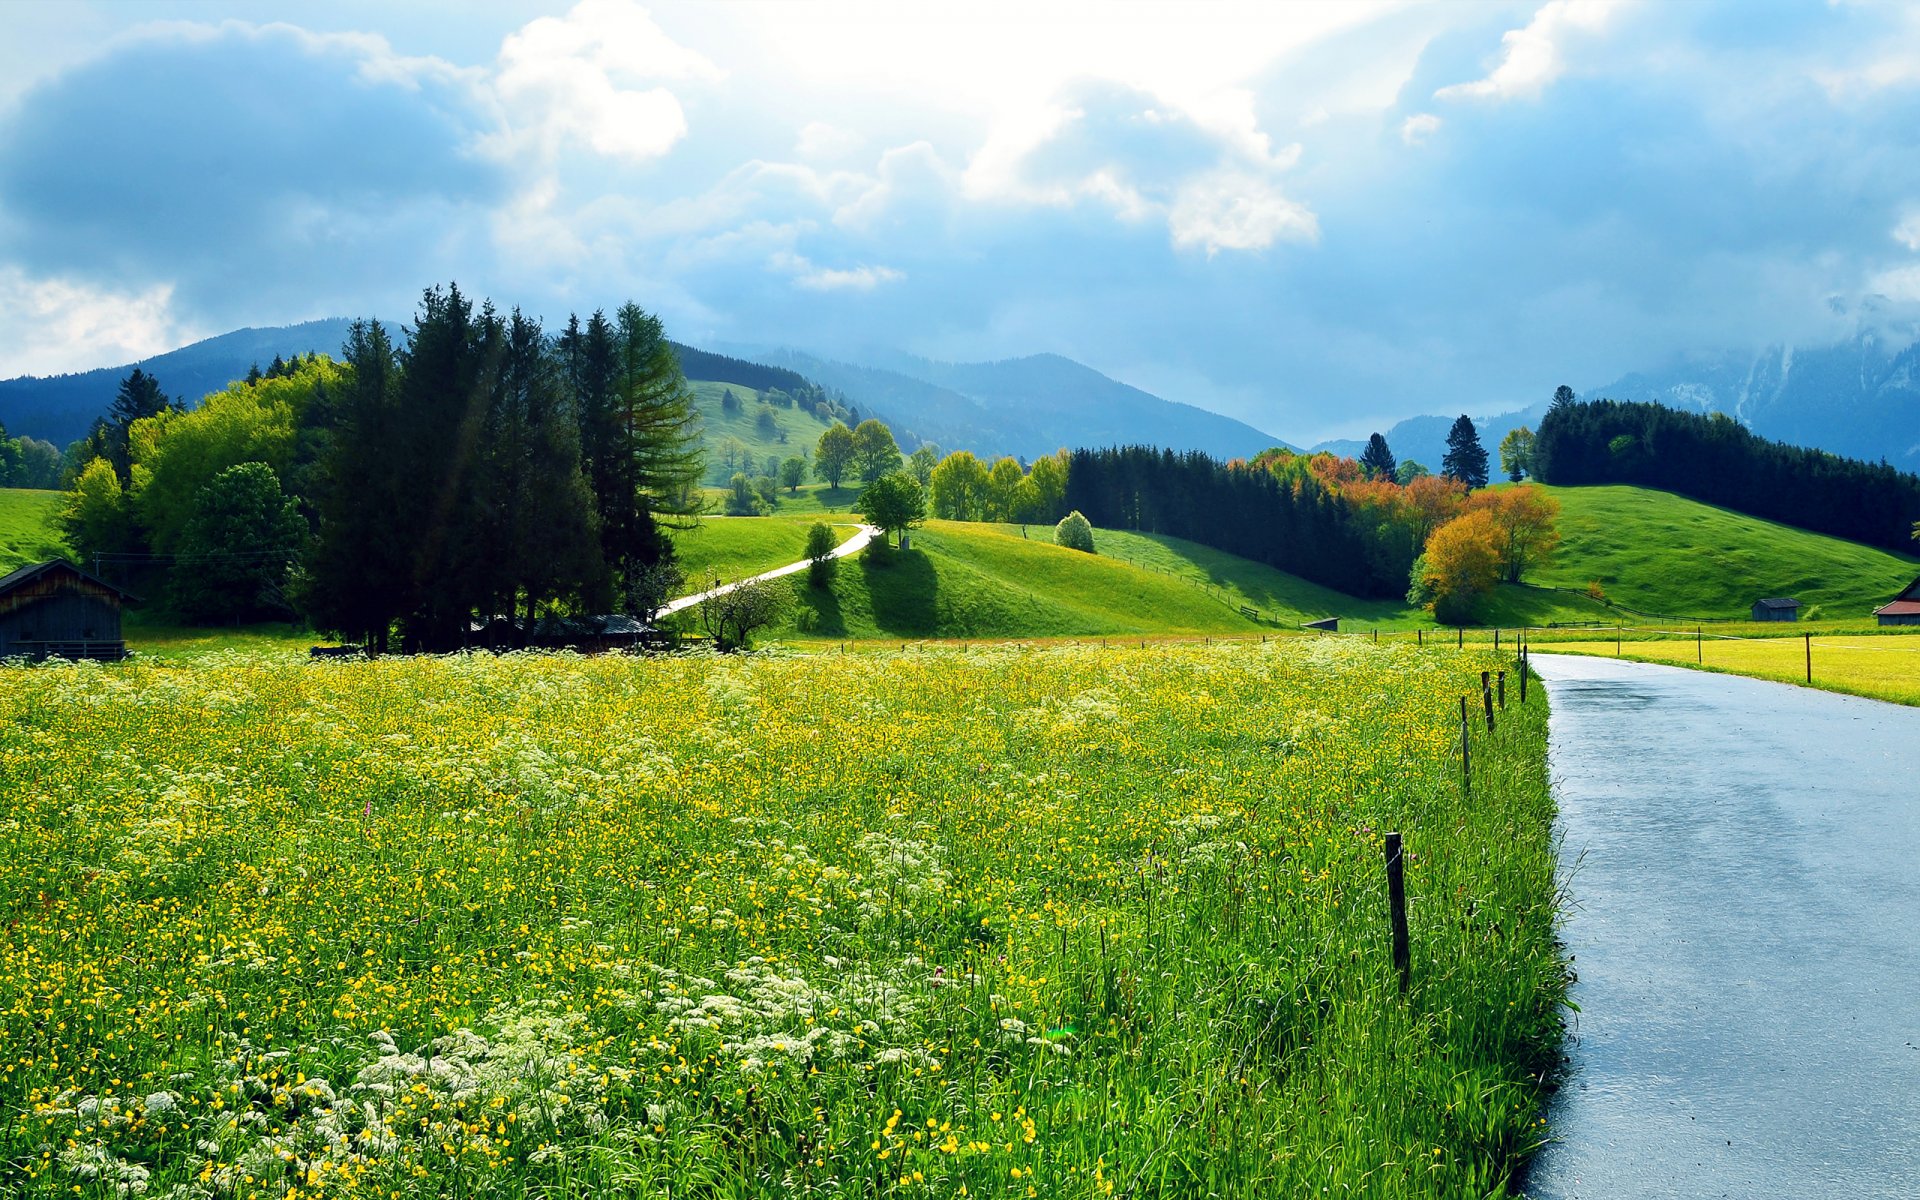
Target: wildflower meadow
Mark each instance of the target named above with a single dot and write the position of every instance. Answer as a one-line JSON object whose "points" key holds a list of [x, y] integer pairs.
{"points": [[1013, 921]]}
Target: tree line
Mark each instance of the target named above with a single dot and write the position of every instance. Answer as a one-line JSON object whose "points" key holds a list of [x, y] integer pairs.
{"points": [[482, 468], [1715, 459]]}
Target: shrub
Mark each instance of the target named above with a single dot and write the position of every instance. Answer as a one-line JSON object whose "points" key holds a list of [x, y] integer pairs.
{"points": [[1074, 532], [820, 559]]}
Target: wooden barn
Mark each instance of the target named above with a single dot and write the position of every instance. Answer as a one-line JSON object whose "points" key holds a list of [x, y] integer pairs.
{"points": [[1776, 610], [56, 610], [1903, 609]]}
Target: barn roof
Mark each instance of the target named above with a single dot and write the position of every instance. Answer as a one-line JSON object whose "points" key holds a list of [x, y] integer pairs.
{"points": [[1899, 608], [1776, 603], [32, 571], [1912, 592]]}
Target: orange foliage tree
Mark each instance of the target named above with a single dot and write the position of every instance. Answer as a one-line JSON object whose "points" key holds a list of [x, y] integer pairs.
{"points": [[1528, 535], [1462, 563]]}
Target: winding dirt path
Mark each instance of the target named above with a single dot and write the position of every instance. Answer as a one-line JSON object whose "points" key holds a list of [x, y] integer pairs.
{"points": [[852, 545]]}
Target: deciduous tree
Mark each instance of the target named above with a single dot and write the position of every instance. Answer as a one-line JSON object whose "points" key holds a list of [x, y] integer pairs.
{"points": [[1460, 566], [834, 454], [1516, 453], [1526, 517], [1074, 532], [894, 503], [874, 450]]}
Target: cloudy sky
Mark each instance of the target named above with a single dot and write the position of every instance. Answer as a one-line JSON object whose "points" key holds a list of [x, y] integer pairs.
{"points": [[1314, 217]]}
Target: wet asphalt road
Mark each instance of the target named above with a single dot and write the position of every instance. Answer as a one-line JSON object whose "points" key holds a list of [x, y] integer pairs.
{"points": [[1743, 860]]}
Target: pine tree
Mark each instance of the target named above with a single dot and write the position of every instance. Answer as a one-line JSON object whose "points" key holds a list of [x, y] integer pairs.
{"points": [[1466, 458], [139, 397], [1377, 461]]}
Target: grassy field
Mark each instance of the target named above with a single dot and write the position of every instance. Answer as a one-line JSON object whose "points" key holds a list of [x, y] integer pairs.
{"points": [[1290, 600], [27, 533], [1882, 666], [735, 547], [963, 580], [800, 428], [1666, 554], [1009, 922]]}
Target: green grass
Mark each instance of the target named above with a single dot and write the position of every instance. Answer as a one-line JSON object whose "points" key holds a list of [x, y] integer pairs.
{"points": [[730, 548], [1666, 554], [812, 499], [961, 580], [164, 640], [1003, 922], [27, 531], [801, 429]]}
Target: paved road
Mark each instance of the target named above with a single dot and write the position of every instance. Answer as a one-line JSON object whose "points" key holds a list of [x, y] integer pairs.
{"points": [[1745, 921], [852, 545]]}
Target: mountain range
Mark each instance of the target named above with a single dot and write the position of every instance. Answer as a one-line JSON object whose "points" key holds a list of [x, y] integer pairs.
{"points": [[1026, 406], [1859, 398]]}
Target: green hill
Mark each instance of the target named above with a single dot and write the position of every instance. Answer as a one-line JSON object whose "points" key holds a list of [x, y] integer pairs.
{"points": [[790, 431], [1665, 554], [27, 532]]}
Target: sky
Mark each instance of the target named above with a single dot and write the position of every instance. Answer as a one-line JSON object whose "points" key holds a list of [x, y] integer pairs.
{"points": [[1317, 218]]}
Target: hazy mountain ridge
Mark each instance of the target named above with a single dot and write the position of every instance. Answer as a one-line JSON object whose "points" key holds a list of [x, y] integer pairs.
{"points": [[61, 408], [1859, 399], [1026, 406]]}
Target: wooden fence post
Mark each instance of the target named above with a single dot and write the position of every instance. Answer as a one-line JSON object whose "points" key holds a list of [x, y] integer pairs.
{"points": [[1809, 638], [1460, 637], [1526, 652], [1486, 699], [1466, 751], [1397, 910], [1503, 689], [1699, 646]]}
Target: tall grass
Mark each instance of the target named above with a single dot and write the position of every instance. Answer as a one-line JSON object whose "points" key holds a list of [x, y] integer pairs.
{"points": [[1008, 922]]}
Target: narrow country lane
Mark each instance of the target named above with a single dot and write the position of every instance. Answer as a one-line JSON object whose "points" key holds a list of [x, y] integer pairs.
{"points": [[852, 545], [1744, 916]]}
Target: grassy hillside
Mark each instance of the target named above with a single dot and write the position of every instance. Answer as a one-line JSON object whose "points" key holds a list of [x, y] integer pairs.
{"points": [[961, 580], [27, 532], [800, 428], [734, 547], [1666, 554]]}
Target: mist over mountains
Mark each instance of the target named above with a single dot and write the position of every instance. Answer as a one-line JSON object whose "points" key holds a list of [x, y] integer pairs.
{"points": [[1859, 398]]}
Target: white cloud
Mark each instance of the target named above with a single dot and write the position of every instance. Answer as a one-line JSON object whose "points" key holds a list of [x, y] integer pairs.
{"points": [[1418, 128], [1231, 210], [58, 325], [1896, 283], [1907, 232], [829, 279], [1533, 57], [569, 79], [820, 140]]}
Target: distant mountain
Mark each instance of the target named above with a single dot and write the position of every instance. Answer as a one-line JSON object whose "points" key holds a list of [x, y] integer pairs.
{"points": [[1025, 406], [60, 408], [1859, 398]]}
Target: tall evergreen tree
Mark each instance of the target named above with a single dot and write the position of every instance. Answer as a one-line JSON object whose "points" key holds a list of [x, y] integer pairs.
{"points": [[356, 577], [1466, 458], [1377, 460], [139, 397], [1562, 398]]}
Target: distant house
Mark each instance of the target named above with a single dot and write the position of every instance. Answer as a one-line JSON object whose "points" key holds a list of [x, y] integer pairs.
{"points": [[1776, 610], [56, 610], [1324, 625], [1903, 609]]}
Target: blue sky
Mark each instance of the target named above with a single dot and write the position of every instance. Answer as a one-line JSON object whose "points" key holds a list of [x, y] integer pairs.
{"points": [[1317, 218]]}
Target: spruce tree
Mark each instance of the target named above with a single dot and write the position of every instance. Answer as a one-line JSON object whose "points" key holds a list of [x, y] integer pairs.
{"points": [[1377, 461], [1466, 458]]}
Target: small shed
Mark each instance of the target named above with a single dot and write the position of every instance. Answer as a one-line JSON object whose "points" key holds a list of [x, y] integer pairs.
{"points": [[1903, 609], [1324, 624], [56, 610], [586, 634], [1776, 610]]}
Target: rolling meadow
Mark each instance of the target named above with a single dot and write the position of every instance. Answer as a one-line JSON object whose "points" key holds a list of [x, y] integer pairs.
{"points": [[1016, 921]]}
